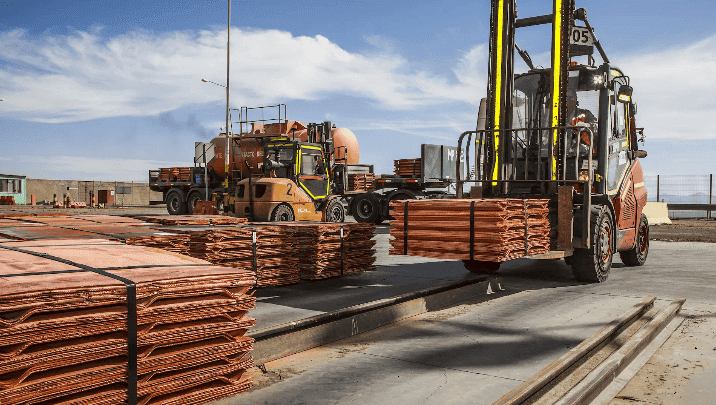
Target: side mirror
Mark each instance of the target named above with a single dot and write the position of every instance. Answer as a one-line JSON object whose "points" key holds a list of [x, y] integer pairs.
{"points": [[640, 154], [625, 93]]}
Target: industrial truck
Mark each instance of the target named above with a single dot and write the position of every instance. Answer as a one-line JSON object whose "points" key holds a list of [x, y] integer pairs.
{"points": [[567, 134], [283, 170]]}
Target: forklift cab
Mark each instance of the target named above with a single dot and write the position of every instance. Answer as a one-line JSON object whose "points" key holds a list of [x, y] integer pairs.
{"points": [[303, 163]]}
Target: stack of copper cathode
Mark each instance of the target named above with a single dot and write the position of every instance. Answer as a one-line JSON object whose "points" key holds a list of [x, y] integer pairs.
{"points": [[182, 220], [172, 242], [441, 228], [69, 320], [268, 251], [407, 167], [331, 250], [361, 182]]}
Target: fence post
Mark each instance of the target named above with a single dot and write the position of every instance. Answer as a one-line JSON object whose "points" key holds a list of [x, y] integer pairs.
{"points": [[657, 188], [711, 192]]}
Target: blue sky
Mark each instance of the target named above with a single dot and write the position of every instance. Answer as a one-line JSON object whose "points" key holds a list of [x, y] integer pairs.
{"points": [[100, 90]]}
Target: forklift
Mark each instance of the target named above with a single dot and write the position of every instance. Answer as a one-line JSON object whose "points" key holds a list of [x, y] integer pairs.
{"points": [[298, 181], [568, 134]]}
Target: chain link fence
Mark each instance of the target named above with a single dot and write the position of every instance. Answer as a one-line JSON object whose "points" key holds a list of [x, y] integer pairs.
{"points": [[682, 189]]}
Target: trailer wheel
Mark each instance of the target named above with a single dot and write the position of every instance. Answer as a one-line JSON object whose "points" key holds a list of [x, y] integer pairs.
{"points": [[365, 208], [637, 255], [481, 267], [335, 211], [175, 204], [192, 200], [282, 212], [593, 264]]}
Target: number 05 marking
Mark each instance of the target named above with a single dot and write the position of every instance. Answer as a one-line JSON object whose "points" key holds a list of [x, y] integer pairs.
{"points": [[581, 36]]}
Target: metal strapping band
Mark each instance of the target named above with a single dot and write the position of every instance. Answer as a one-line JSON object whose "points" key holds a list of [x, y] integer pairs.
{"points": [[255, 260], [405, 229], [131, 313], [88, 231], [527, 247], [472, 230], [342, 251]]}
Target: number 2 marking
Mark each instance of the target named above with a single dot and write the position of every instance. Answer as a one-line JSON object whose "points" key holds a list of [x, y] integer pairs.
{"points": [[288, 192]]}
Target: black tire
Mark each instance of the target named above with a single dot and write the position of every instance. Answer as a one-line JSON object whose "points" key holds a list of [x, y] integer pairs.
{"points": [[594, 264], [335, 212], [282, 213], [175, 204], [365, 208], [481, 267], [398, 197], [192, 200], [637, 255]]}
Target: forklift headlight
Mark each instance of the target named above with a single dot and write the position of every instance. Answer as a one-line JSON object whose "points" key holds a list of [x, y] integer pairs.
{"points": [[625, 93]]}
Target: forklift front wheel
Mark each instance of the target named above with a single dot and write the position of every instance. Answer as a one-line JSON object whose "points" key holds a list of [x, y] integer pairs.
{"points": [[481, 267], [281, 213]]}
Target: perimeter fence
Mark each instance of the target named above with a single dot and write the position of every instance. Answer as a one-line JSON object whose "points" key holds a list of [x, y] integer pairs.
{"points": [[682, 189]]}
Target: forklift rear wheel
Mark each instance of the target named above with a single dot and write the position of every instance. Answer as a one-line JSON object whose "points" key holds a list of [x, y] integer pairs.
{"points": [[175, 205], [593, 264], [637, 255], [365, 208], [281, 213], [481, 267], [335, 211]]}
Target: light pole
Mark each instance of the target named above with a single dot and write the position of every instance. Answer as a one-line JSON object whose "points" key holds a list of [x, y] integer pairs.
{"points": [[209, 81], [228, 139]]}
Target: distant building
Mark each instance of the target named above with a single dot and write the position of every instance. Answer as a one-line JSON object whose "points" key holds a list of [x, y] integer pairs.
{"points": [[14, 186]]}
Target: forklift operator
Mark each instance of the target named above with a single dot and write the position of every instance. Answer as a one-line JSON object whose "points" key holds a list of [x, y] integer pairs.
{"points": [[579, 117]]}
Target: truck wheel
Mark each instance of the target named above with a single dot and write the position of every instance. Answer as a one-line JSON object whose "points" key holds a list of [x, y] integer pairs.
{"points": [[282, 212], [192, 200], [175, 204], [637, 255], [335, 211], [365, 208], [593, 264], [481, 267]]}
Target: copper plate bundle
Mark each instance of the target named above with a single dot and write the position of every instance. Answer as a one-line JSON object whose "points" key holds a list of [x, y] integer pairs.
{"points": [[442, 228], [407, 167], [331, 249], [173, 242], [268, 251], [361, 182], [110, 219], [39, 231], [180, 220], [111, 323]]}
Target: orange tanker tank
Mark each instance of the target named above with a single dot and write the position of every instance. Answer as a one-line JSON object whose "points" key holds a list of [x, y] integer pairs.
{"points": [[249, 148]]}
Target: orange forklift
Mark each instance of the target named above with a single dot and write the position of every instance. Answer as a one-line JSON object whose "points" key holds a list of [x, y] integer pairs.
{"points": [[566, 133]]}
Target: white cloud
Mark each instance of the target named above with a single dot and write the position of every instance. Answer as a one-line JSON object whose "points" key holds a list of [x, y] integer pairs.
{"points": [[674, 90], [82, 76]]}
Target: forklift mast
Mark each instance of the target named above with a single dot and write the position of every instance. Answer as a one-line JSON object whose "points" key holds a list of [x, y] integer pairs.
{"points": [[501, 78]]}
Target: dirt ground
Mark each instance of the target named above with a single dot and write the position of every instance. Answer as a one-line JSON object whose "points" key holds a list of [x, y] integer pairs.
{"points": [[685, 230], [682, 371]]}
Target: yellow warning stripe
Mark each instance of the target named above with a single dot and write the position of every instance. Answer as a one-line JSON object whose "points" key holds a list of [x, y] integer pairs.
{"points": [[498, 85], [556, 74]]}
